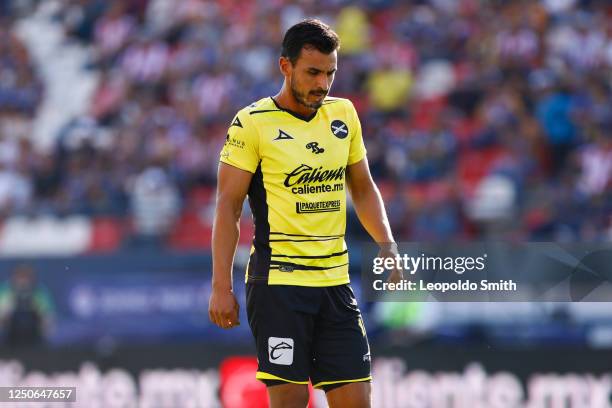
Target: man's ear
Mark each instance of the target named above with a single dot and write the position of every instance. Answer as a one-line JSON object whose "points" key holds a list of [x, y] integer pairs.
{"points": [[285, 66]]}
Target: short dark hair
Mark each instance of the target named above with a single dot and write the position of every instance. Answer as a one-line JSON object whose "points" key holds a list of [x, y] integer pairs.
{"points": [[309, 32]]}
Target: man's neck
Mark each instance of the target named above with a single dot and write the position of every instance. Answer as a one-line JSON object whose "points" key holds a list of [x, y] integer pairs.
{"points": [[286, 100]]}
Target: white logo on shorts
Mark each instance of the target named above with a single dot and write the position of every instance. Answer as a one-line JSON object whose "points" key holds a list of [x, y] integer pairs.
{"points": [[280, 350]]}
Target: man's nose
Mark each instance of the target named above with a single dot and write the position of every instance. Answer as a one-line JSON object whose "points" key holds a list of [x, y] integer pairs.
{"points": [[323, 82]]}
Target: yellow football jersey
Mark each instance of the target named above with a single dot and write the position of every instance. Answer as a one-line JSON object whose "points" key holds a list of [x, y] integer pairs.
{"points": [[297, 194]]}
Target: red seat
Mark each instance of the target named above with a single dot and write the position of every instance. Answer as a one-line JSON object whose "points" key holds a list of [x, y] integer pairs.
{"points": [[106, 236], [190, 233], [474, 165]]}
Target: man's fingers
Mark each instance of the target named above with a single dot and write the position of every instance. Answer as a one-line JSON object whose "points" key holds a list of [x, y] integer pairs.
{"points": [[212, 316], [223, 322], [227, 320], [215, 318], [223, 311], [218, 319], [233, 317]]}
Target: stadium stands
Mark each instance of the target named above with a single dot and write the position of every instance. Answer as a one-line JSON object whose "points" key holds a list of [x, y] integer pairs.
{"points": [[460, 101]]}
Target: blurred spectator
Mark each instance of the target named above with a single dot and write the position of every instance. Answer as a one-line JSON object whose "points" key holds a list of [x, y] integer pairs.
{"points": [[494, 200], [26, 309], [154, 203], [517, 44], [112, 30], [596, 165], [145, 61], [555, 115], [15, 191], [389, 87], [353, 27]]}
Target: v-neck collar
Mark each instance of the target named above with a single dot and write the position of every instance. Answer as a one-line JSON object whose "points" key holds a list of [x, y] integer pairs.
{"points": [[295, 114]]}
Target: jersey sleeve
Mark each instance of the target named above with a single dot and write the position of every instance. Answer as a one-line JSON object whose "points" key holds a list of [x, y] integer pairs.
{"points": [[357, 150], [241, 148]]}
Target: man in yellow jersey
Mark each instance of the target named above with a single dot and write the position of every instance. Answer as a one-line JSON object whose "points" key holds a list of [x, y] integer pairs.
{"points": [[293, 154]]}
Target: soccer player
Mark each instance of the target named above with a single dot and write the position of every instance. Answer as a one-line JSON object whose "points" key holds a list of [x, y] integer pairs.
{"points": [[294, 154]]}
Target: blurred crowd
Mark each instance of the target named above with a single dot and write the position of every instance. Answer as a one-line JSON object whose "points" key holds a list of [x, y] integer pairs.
{"points": [[481, 118]]}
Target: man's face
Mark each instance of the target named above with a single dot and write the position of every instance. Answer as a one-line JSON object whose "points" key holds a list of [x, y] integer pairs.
{"points": [[311, 77], [23, 279]]}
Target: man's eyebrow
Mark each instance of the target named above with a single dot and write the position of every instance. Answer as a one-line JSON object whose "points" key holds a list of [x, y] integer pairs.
{"points": [[317, 70]]}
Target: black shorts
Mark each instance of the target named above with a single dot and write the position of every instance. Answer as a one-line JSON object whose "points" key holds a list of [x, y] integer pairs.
{"points": [[304, 333]]}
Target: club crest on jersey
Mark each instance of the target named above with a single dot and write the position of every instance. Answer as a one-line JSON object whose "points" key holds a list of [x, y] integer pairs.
{"points": [[314, 147], [339, 129], [283, 135]]}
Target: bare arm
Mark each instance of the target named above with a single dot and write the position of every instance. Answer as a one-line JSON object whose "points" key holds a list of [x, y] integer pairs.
{"points": [[368, 202], [370, 210], [232, 187]]}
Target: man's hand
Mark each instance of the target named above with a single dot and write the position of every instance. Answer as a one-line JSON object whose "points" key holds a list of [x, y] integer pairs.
{"points": [[223, 309], [232, 186], [389, 250]]}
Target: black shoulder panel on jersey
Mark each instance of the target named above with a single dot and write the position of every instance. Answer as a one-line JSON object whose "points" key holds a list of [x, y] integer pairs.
{"points": [[264, 111], [295, 114], [259, 263]]}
